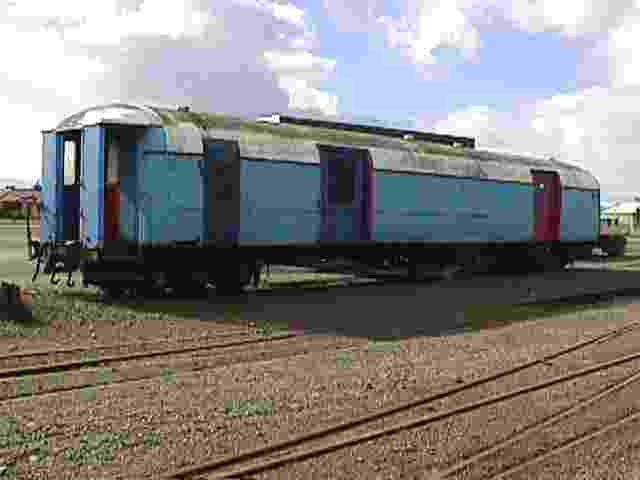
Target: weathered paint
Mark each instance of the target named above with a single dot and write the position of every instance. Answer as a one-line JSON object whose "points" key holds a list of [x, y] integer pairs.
{"points": [[547, 205], [92, 189], [345, 222], [466, 163], [129, 190], [170, 193], [422, 192], [268, 213], [52, 187], [222, 197], [298, 143], [431, 208], [579, 220]]}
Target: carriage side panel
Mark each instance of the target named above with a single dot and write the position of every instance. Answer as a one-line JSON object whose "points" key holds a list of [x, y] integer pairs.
{"points": [[170, 192], [579, 221], [280, 202], [411, 207]]}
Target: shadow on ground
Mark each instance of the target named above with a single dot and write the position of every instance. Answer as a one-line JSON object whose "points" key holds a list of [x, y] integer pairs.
{"points": [[400, 310]]}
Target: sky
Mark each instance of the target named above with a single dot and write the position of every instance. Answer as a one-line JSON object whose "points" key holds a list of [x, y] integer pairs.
{"points": [[546, 78]]}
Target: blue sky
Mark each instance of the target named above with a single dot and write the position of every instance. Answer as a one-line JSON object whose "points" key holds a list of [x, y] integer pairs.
{"points": [[541, 78], [516, 67]]}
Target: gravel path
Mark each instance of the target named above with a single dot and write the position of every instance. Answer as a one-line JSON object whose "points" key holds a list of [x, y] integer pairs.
{"points": [[199, 416]]}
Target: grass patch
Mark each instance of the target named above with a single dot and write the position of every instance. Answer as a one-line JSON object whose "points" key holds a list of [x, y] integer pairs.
{"points": [[24, 386], [96, 448], [478, 317], [267, 329], [35, 443], [32, 328], [88, 356], [88, 394], [344, 359], [167, 375], [151, 439], [7, 472], [384, 347], [56, 379], [248, 408], [104, 376]]}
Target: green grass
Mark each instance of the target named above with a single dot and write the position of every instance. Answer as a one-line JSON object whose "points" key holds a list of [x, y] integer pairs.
{"points": [[11, 437], [168, 375], [96, 448], [151, 439], [384, 346], [480, 317], [32, 328], [14, 265], [344, 359], [248, 408]]}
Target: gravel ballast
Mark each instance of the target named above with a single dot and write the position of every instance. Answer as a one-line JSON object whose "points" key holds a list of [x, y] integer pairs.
{"points": [[200, 416]]}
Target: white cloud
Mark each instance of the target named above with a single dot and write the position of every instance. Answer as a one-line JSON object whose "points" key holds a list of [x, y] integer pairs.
{"points": [[302, 96], [208, 54], [285, 11], [419, 27], [153, 18], [298, 71], [429, 25], [572, 17], [43, 60], [22, 148], [596, 128]]}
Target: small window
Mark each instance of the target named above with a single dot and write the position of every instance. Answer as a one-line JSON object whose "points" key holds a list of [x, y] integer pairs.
{"points": [[344, 181], [113, 160], [69, 163]]}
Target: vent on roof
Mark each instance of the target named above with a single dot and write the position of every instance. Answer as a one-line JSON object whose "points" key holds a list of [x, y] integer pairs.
{"points": [[451, 140]]}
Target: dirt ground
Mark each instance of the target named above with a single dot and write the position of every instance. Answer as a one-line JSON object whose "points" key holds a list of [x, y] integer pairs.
{"points": [[366, 347]]}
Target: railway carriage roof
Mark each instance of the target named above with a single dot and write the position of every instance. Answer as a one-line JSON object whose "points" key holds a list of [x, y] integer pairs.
{"points": [[298, 143]]}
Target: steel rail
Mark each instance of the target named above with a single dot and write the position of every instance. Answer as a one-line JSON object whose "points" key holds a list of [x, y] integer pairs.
{"points": [[78, 364], [350, 424], [579, 440], [542, 424], [113, 346]]}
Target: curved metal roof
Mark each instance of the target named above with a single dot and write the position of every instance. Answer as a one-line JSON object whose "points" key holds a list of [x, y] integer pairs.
{"points": [[298, 143], [116, 113]]}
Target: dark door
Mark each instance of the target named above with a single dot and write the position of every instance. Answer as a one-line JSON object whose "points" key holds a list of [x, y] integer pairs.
{"points": [[346, 205], [547, 205], [221, 196], [71, 178]]}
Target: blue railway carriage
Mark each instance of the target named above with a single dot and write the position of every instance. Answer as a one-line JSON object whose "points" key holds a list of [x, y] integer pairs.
{"points": [[138, 196]]}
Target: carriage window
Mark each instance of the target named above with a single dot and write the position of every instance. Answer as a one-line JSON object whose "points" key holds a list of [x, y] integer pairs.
{"points": [[344, 181], [70, 167], [113, 158]]}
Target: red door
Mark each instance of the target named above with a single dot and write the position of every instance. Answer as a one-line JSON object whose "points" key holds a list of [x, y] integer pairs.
{"points": [[547, 205], [112, 213]]}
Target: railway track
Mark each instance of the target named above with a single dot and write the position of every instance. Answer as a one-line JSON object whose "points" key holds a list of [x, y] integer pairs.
{"points": [[29, 358], [78, 366], [306, 446]]}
